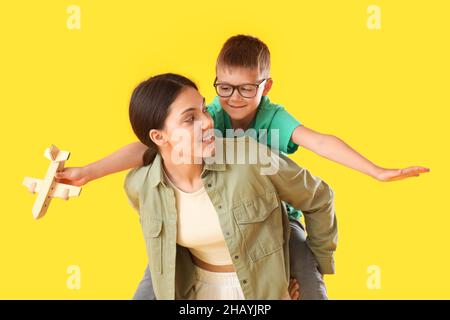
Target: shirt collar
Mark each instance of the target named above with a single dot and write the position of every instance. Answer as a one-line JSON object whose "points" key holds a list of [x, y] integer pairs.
{"points": [[156, 175]]}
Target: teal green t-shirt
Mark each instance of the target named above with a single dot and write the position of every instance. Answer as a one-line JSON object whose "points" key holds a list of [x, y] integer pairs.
{"points": [[269, 117]]}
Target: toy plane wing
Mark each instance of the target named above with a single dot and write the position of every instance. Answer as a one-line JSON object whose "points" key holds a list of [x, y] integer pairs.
{"points": [[61, 190]]}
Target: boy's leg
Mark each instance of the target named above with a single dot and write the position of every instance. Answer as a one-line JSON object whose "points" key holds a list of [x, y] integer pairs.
{"points": [[145, 288], [304, 266]]}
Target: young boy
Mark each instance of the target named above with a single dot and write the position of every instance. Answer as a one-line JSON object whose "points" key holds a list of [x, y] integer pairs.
{"points": [[242, 85]]}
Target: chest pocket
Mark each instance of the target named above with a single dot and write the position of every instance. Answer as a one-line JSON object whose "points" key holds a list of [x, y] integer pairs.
{"points": [[260, 223], [152, 230]]}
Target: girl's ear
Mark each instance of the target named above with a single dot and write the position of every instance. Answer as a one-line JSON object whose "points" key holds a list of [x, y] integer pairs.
{"points": [[157, 137], [267, 86]]}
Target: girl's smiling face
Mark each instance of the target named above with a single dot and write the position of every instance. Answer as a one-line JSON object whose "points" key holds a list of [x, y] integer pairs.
{"points": [[188, 131]]}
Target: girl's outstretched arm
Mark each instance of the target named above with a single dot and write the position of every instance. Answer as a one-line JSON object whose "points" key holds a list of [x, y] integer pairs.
{"points": [[125, 158], [333, 148]]}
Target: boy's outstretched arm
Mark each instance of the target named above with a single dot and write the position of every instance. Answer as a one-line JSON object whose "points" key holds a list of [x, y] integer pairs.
{"points": [[125, 158], [335, 149]]}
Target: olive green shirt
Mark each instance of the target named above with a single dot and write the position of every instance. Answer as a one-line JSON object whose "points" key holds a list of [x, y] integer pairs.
{"points": [[254, 225]]}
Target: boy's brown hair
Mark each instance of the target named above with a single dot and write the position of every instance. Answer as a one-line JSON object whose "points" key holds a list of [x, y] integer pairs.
{"points": [[244, 51]]}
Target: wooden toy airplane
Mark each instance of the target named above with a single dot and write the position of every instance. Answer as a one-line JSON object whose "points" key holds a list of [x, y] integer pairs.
{"points": [[48, 188]]}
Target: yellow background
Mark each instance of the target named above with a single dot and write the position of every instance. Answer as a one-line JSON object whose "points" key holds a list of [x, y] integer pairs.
{"points": [[385, 92]]}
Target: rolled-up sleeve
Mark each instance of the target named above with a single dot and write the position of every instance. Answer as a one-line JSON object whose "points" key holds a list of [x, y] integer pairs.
{"points": [[131, 190], [315, 199]]}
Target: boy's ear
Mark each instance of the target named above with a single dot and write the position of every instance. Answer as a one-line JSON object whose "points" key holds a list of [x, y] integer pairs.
{"points": [[157, 137], [267, 87]]}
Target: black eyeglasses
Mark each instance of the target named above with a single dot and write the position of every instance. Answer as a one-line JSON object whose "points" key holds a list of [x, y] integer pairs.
{"points": [[246, 90]]}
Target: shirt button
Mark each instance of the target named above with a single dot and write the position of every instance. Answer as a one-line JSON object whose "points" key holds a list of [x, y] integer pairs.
{"points": [[209, 185], [236, 257], [220, 206], [227, 233], [244, 281]]}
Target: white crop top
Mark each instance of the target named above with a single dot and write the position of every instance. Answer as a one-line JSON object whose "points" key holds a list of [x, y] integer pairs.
{"points": [[198, 226]]}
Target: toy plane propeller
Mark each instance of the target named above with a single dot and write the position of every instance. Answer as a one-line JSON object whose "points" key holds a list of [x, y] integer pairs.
{"points": [[48, 188]]}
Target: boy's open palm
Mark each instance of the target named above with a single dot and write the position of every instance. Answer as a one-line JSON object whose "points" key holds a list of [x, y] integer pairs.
{"points": [[400, 174]]}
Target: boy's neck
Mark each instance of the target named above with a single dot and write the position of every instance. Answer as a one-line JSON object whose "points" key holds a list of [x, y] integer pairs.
{"points": [[244, 123]]}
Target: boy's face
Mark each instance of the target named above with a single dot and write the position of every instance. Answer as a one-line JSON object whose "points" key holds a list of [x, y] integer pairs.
{"points": [[237, 106]]}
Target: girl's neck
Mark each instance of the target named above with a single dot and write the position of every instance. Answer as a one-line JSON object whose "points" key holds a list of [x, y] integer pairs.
{"points": [[186, 177]]}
